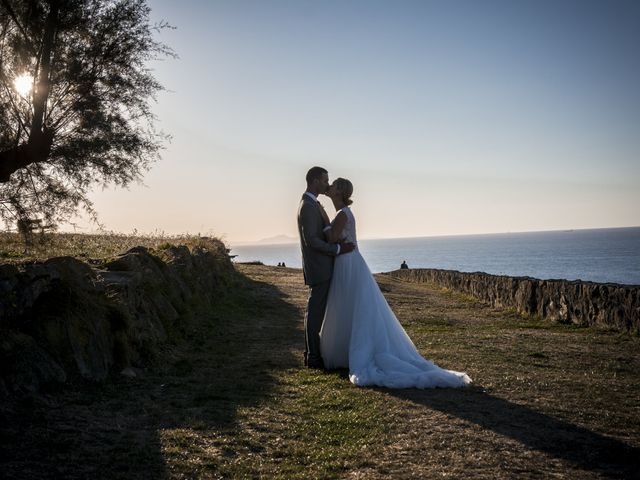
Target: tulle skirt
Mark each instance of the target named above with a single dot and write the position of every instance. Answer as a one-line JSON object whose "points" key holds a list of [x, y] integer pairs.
{"points": [[360, 332]]}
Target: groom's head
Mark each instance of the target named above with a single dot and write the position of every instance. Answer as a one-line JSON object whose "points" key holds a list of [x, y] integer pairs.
{"points": [[317, 180]]}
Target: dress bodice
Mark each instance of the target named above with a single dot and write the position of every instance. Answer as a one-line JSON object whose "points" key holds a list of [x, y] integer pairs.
{"points": [[349, 232]]}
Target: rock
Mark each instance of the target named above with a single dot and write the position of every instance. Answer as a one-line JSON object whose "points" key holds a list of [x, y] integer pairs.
{"points": [[128, 372], [4, 392], [64, 318], [581, 303], [26, 366]]}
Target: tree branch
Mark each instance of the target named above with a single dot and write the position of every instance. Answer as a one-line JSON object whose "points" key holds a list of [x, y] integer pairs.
{"points": [[36, 150], [8, 8]]}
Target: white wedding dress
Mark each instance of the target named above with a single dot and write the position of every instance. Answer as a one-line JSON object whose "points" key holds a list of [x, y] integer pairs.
{"points": [[361, 332]]}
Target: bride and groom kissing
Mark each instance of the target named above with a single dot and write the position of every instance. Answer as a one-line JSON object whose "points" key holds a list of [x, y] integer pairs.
{"points": [[348, 323]]}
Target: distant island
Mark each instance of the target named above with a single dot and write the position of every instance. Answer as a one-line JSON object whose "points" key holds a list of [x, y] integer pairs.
{"points": [[277, 239]]}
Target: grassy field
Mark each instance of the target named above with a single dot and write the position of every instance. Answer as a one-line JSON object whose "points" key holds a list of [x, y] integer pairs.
{"points": [[234, 401], [82, 246]]}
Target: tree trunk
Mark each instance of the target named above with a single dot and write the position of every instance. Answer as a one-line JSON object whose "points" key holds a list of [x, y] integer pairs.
{"points": [[36, 150], [41, 93]]}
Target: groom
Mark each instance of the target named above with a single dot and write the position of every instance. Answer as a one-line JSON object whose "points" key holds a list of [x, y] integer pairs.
{"points": [[317, 260]]}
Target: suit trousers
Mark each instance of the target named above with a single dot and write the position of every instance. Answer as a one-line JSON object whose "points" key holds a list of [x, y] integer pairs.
{"points": [[316, 307]]}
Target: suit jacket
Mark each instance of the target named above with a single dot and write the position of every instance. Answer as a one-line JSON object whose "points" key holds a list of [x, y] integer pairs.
{"points": [[317, 253]]}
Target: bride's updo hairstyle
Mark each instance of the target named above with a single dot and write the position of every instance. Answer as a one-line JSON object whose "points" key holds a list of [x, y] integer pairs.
{"points": [[345, 187]]}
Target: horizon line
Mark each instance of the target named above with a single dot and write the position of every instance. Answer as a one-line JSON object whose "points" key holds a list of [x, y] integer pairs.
{"points": [[295, 239]]}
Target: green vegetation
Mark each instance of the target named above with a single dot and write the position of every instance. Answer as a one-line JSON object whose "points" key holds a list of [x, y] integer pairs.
{"points": [[86, 246], [80, 113], [232, 400]]}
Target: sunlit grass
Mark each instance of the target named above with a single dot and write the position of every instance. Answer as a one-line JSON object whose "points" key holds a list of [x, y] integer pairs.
{"points": [[86, 246], [233, 400]]}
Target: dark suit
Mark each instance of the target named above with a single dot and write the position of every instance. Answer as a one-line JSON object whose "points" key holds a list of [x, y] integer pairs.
{"points": [[317, 265]]}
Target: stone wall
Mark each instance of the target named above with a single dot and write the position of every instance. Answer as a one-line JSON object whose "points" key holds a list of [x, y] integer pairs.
{"points": [[577, 302], [65, 319]]}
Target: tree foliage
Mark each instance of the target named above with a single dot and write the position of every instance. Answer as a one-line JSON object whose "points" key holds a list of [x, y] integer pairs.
{"points": [[87, 119]]}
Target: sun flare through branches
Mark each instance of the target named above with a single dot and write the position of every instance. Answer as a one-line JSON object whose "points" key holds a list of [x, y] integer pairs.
{"points": [[23, 84]]}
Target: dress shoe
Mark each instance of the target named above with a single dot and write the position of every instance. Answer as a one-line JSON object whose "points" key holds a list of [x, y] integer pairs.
{"points": [[319, 364]]}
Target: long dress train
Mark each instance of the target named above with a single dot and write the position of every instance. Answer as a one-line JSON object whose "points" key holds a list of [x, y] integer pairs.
{"points": [[361, 332]]}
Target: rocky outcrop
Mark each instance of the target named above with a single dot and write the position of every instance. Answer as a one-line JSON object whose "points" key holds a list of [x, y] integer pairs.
{"points": [[577, 302], [63, 319]]}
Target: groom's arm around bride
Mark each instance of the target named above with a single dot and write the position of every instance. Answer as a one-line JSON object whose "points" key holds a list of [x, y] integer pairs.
{"points": [[317, 259], [317, 252]]}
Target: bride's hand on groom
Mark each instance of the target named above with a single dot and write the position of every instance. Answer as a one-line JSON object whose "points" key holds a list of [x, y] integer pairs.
{"points": [[346, 247]]}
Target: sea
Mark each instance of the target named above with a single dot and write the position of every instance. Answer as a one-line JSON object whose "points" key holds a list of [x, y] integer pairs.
{"points": [[606, 255]]}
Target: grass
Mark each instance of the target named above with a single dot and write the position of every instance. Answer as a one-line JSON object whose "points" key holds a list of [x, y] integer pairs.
{"points": [[233, 401], [229, 402], [85, 246], [314, 426]]}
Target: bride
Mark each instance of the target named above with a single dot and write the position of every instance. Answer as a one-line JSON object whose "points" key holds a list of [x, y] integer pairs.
{"points": [[360, 331]]}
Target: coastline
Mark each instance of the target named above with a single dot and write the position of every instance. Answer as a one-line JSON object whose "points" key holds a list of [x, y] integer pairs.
{"points": [[602, 256]]}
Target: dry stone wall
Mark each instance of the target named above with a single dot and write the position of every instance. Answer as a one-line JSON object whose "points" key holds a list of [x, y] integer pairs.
{"points": [[65, 319], [582, 303]]}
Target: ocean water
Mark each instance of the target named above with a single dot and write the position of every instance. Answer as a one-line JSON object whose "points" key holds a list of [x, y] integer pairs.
{"points": [[608, 255]]}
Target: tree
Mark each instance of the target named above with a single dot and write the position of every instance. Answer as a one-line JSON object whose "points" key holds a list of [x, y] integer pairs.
{"points": [[75, 102]]}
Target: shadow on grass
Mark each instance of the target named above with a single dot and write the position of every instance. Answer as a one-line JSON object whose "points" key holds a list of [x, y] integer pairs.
{"points": [[586, 449], [158, 425]]}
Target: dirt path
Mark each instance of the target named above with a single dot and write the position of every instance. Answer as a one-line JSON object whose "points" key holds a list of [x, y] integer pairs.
{"points": [[234, 401]]}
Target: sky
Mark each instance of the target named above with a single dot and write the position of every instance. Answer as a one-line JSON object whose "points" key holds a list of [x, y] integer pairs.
{"points": [[449, 117]]}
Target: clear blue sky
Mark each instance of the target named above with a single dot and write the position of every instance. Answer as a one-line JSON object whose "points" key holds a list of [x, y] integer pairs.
{"points": [[448, 116]]}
